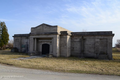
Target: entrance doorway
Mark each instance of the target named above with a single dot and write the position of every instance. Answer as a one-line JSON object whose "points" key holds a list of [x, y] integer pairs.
{"points": [[45, 49]]}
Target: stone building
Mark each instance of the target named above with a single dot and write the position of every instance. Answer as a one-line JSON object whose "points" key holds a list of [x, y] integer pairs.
{"points": [[57, 41]]}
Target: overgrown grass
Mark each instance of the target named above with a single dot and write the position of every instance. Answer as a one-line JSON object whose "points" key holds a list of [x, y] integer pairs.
{"points": [[72, 64]]}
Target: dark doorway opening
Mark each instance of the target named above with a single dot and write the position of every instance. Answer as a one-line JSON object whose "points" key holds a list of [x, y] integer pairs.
{"points": [[45, 49]]}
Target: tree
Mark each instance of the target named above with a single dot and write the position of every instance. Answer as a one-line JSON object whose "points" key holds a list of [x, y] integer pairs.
{"points": [[118, 43], [4, 35], [10, 44]]}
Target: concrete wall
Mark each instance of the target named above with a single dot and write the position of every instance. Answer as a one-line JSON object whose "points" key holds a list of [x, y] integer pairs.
{"points": [[22, 43], [89, 46], [93, 46], [17, 43], [76, 46]]}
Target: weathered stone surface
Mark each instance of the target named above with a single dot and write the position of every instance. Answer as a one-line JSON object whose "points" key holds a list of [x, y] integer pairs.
{"points": [[57, 41]]}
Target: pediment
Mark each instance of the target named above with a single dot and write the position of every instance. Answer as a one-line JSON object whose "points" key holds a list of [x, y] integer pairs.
{"points": [[43, 28], [43, 24], [47, 29]]}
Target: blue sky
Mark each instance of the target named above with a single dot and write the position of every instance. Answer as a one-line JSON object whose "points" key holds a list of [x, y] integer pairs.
{"points": [[74, 15]]}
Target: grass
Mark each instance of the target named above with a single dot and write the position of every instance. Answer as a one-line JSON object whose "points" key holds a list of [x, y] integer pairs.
{"points": [[72, 64]]}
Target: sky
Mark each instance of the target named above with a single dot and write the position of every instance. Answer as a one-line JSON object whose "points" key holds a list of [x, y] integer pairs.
{"points": [[74, 15]]}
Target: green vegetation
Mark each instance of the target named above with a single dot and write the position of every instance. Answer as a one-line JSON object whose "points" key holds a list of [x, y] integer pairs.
{"points": [[72, 64], [4, 36]]}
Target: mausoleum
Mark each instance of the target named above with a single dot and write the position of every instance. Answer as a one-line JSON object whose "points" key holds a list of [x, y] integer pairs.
{"points": [[57, 41]]}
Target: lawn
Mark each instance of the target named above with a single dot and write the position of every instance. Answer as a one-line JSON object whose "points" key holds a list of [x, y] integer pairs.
{"points": [[71, 64]]}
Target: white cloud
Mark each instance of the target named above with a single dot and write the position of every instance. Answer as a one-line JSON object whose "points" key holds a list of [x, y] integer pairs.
{"points": [[96, 15]]}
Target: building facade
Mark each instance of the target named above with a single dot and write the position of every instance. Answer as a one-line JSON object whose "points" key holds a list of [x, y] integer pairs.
{"points": [[57, 41]]}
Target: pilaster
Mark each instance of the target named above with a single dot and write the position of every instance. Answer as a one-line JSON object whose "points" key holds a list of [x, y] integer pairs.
{"points": [[65, 44]]}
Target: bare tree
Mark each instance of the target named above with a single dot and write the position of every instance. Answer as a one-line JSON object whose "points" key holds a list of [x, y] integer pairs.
{"points": [[10, 44], [118, 43]]}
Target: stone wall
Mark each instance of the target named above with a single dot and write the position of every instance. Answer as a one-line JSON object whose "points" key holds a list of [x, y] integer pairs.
{"points": [[92, 44], [76, 46], [21, 42]]}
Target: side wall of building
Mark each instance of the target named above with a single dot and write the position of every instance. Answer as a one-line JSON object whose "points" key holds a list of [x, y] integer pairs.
{"points": [[21, 43], [76, 44], [92, 46]]}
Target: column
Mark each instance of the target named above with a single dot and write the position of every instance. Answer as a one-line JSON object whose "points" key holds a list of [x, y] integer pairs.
{"points": [[50, 48], [31, 45], [35, 44], [64, 44], [40, 48]]}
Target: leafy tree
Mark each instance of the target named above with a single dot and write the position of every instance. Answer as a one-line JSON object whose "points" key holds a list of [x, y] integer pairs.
{"points": [[4, 36]]}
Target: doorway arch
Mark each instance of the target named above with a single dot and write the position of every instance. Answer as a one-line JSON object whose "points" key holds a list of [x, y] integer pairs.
{"points": [[45, 49]]}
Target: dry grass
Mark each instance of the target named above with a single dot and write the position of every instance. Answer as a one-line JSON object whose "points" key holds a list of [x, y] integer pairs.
{"points": [[72, 64]]}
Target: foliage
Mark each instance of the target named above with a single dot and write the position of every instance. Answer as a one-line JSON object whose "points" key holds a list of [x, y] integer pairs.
{"points": [[4, 36]]}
